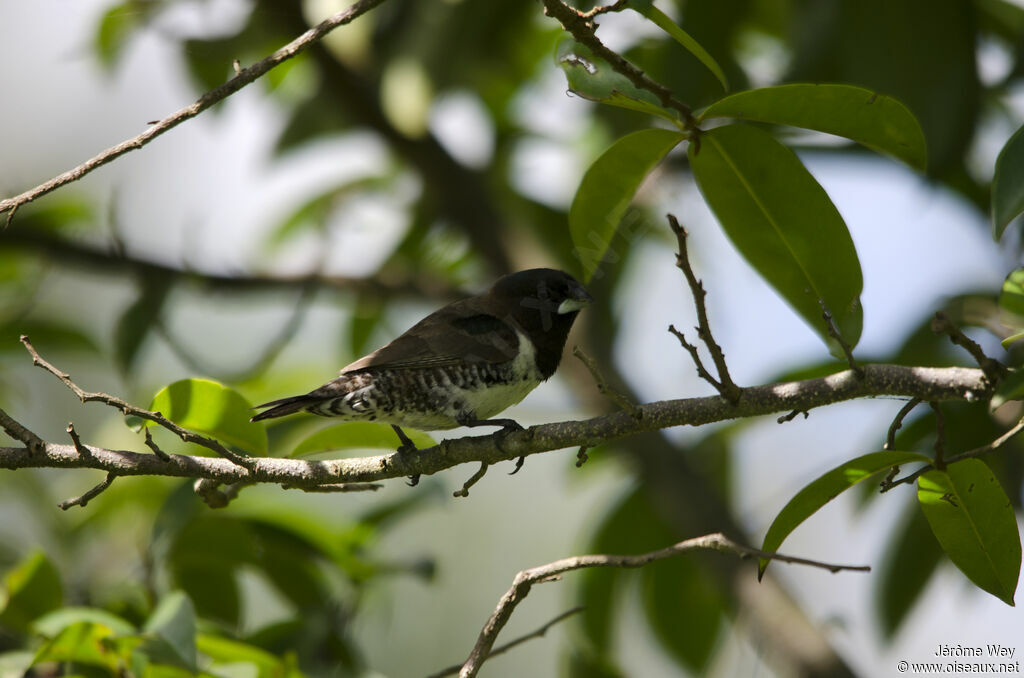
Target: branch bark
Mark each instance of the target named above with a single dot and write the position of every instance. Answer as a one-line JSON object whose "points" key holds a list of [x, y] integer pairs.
{"points": [[927, 383], [244, 77]]}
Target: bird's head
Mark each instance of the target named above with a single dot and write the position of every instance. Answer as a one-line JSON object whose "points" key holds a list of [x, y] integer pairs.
{"points": [[542, 297]]}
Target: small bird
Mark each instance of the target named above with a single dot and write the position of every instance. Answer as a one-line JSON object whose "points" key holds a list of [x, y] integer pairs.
{"points": [[460, 365]]}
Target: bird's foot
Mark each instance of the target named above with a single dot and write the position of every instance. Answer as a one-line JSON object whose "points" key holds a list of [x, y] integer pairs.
{"points": [[519, 464], [407, 447]]}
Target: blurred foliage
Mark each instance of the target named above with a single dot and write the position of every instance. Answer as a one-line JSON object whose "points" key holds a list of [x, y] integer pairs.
{"points": [[179, 599]]}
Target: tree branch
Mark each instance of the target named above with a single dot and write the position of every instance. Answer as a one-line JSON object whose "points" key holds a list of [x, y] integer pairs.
{"points": [[525, 580], [993, 369], [126, 409], [927, 383], [582, 28], [243, 78]]}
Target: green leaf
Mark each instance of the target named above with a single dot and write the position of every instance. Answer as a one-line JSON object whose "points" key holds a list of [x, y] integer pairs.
{"points": [[82, 643], [607, 189], [672, 586], [138, 319], [975, 524], [1011, 387], [879, 122], [1008, 184], [51, 624], [1011, 300], [783, 223], [30, 590], [171, 632], [593, 78], [911, 556], [666, 24], [226, 651], [359, 434], [209, 407], [116, 26], [826, 488]]}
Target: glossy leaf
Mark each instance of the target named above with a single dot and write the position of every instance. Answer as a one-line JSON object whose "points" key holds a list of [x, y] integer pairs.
{"points": [[607, 189], [30, 590], [783, 223], [975, 524], [911, 556], [1011, 387], [116, 27], [826, 488], [879, 122], [593, 78], [171, 632], [1011, 303], [209, 407], [665, 23], [51, 624], [81, 643], [1008, 184], [226, 651], [359, 434]]}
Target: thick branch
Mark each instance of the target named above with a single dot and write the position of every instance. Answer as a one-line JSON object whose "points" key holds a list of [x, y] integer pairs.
{"points": [[927, 383], [525, 580], [243, 78]]}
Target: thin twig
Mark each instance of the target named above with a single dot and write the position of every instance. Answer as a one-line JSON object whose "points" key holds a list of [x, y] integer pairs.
{"points": [[616, 6], [969, 454], [582, 457], [127, 409], [151, 444], [243, 78], [33, 443], [539, 633], [618, 398], [793, 415], [473, 479], [833, 331], [88, 496], [82, 449], [336, 487], [701, 370], [582, 27], [992, 368], [724, 384], [897, 423], [525, 580]]}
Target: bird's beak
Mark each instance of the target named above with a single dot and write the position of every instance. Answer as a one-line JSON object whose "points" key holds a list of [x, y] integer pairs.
{"points": [[578, 298]]}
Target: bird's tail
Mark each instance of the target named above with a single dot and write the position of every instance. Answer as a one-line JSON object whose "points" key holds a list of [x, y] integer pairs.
{"points": [[279, 408]]}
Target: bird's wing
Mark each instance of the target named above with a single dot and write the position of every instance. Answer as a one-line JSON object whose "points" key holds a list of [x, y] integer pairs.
{"points": [[462, 332]]}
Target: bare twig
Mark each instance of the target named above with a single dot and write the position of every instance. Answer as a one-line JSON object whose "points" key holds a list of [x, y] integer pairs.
{"points": [[793, 415], [243, 78], [126, 409], [701, 370], [724, 384], [473, 479], [33, 443], [88, 496], [151, 444], [582, 27], [928, 383], [890, 438], [525, 580], [969, 454], [616, 6], [618, 398], [833, 331], [82, 449], [992, 368], [539, 633]]}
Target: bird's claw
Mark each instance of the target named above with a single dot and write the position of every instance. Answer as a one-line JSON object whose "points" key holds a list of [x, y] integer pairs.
{"points": [[519, 464], [414, 480]]}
